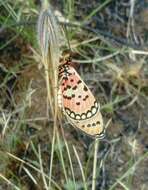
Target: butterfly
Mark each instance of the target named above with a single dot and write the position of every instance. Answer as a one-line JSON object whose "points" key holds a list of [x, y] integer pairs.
{"points": [[78, 103]]}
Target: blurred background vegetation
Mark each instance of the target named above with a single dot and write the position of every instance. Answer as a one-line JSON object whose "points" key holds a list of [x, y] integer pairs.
{"points": [[111, 51]]}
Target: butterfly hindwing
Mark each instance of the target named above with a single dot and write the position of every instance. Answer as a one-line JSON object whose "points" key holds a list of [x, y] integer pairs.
{"points": [[78, 103]]}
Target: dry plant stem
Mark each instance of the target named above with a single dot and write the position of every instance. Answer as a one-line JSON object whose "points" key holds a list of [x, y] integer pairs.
{"points": [[49, 45], [61, 157], [45, 62], [95, 164], [55, 116], [81, 168], [6, 123], [41, 169], [52, 155], [95, 60], [69, 156], [54, 87], [70, 161], [30, 175]]}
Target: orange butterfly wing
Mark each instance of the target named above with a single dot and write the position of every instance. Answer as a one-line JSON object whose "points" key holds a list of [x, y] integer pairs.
{"points": [[78, 103]]}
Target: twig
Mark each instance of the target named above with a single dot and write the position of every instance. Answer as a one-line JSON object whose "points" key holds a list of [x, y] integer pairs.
{"points": [[95, 164], [81, 168]]}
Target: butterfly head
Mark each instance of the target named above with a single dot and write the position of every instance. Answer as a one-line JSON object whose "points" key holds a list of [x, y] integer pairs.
{"points": [[66, 58]]}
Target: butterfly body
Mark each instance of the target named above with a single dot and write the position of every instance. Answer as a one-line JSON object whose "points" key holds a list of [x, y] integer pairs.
{"points": [[78, 103]]}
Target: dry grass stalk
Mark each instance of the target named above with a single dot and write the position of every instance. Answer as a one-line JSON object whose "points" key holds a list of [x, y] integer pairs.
{"points": [[49, 42]]}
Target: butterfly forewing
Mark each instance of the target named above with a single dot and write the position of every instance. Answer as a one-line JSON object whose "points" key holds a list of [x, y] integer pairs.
{"points": [[78, 103]]}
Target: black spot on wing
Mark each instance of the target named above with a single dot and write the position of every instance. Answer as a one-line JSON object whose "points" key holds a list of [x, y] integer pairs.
{"points": [[69, 74], [79, 82], [74, 88], [84, 99], [89, 125], [64, 89], [65, 78], [85, 88], [68, 87], [67, 97]]}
